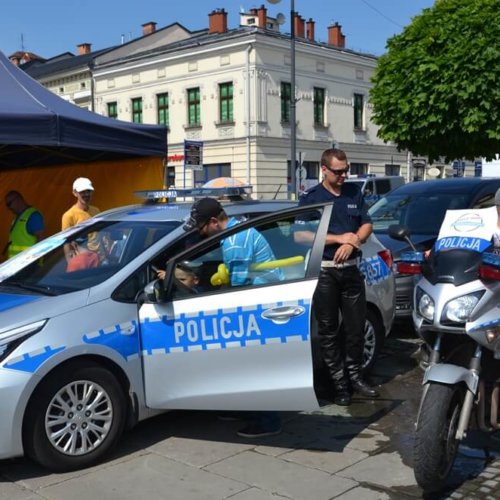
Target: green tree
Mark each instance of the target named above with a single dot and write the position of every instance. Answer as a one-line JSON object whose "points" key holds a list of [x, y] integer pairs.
{"points": [[436, 90]]}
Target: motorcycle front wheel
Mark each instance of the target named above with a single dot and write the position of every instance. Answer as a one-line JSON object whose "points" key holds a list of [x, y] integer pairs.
{"points": [[435, 445]]}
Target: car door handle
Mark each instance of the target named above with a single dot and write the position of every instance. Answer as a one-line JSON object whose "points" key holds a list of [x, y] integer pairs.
{"points": [[283, 314]]}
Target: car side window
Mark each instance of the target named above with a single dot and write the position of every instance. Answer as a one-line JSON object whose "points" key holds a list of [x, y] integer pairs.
{"points": [[485, 200], [261, 255]]}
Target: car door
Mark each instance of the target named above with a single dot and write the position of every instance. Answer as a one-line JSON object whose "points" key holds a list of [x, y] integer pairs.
{"points": [[238, 346]]}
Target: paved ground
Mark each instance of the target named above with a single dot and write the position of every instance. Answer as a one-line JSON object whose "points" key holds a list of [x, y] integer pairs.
{"points": [[360, 452]]}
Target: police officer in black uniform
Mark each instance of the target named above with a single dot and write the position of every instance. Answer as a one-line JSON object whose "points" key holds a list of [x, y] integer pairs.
{"points": [[341, 285]]}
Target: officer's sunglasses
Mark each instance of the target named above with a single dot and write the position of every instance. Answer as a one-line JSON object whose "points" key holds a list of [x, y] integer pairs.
{"points": [[338, 171]]}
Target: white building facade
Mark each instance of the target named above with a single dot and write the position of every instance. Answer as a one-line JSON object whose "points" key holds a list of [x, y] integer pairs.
{"points": [[230, 90]]}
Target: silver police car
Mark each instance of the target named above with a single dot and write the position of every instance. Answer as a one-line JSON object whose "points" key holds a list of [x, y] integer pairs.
{"points": [[91, 342]]}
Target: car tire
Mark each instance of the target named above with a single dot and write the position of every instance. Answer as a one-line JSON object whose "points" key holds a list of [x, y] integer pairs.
{"points": [[374, 340], [75, 416]]}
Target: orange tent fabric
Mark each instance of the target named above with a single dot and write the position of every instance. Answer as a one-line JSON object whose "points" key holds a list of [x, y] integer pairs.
{"points": [[50, 188]]}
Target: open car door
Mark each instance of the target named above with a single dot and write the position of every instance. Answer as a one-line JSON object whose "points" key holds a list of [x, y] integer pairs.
{"points": [[244, 346]]}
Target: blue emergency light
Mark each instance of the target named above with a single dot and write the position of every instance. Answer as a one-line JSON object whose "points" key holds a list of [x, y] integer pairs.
{"points": [[412, 256], [491, 259]]}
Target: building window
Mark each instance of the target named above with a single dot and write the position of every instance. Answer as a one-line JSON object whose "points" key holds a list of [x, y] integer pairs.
{"points": [[162, 107], [358, 168], [210, 172], [194, 117], [392, 169], [226, 102], [359, 111], [319, 106], [137, 110], [112, 109], [286, 100]]}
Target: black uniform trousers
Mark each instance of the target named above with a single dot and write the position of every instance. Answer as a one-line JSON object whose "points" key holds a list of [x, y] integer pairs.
{"points": [[342, 348]]}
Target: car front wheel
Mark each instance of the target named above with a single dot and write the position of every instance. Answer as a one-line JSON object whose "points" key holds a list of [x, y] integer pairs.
{"points": [[75, 416]]}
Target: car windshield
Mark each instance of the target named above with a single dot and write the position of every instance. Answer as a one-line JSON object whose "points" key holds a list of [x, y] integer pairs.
{"points": [[80, 257], [423, 213]]}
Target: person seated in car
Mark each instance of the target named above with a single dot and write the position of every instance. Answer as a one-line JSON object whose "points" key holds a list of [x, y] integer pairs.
{"points": [[185, 274], [82, 258]]}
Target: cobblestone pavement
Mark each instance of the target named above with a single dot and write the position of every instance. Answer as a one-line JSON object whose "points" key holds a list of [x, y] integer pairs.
{"points": [[360, 452]]}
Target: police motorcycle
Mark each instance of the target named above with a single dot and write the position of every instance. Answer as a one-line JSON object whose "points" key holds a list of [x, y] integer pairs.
{"points": [[456, 312]]}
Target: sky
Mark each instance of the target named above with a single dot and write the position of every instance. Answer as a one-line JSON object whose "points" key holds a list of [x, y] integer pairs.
{"points": [[56, 26]]}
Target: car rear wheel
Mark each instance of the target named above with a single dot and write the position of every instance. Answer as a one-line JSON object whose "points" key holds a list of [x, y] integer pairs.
{"points": [[75, 416], [374, 339]]}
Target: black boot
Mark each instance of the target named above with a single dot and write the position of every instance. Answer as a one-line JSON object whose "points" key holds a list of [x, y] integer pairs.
{"points": [[342, 395], [361, 387]]}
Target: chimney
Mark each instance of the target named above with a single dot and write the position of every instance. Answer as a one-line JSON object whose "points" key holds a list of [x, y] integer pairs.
{"points": [[262, 17], [310, 30], [217, 21], [15, 59], [84, 48], [335, 36], [299, 25], [148, 28]]}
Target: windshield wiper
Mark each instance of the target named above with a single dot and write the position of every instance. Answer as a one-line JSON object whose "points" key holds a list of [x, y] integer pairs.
{"points": [[42, 289]]}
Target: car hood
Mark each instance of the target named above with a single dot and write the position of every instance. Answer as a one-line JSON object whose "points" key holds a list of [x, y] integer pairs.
{"points": [[421, 241], [21, 309]]}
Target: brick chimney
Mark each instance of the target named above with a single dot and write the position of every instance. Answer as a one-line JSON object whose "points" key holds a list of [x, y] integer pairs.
{"points": [[299, 25], [217, 21], [310, 30], [84, 48], [15, 59], [148, 28], [262, 17], [335, 36]]}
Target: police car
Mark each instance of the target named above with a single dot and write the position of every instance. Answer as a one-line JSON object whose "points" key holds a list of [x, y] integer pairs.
{"points": [[91, 346]]}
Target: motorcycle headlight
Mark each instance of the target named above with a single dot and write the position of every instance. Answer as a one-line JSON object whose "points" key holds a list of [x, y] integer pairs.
{"points": [[10, 339], [426, 306], [492, 334], [459, 310]]}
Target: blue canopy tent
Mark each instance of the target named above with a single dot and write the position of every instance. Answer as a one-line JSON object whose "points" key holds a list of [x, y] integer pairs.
{"points": [[39, 128]]}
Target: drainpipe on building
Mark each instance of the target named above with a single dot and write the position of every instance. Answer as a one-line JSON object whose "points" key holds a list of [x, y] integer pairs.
{"points": [[247, 109], [408, 166], [92, 86]]}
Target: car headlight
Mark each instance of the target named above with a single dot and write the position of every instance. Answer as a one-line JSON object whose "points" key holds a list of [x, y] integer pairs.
{"points": [[459, 310], [10, 339]]}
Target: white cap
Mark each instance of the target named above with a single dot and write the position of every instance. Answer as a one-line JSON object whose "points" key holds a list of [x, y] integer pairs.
{"points": [[82, 184]]}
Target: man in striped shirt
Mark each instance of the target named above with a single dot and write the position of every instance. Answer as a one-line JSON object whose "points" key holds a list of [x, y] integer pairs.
{"points": [[240, 251]]}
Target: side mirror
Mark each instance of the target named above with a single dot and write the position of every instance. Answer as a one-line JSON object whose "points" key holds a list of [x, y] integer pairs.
{"points": [[155, 292]]}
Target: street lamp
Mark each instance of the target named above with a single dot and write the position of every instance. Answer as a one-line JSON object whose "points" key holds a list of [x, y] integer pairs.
{"points": [[293, 102]]}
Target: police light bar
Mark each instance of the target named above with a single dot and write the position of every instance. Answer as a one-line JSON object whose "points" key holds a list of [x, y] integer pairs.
{"points": [[491, 259], [193, 192], [412, 256]]}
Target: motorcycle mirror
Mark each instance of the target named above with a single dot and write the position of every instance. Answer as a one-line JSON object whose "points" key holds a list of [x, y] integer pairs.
{"points": [[402, 233], [399, 232]]}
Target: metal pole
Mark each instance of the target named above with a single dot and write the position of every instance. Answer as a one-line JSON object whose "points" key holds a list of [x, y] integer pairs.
{"points": [[293, 101]]}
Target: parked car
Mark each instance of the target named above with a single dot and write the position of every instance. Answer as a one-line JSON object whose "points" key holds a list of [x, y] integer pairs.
{"points": [[86, 351], [421, 206], [373, 188]]}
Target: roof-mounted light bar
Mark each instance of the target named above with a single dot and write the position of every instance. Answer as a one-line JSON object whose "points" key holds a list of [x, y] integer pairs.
{"points": [[192, 192]]}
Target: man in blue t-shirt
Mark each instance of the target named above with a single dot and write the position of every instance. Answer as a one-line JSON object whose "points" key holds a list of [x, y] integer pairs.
{"points": [[239, 252], [340, 286]]}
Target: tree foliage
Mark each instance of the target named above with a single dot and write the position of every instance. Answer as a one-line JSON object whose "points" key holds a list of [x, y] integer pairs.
{"points": [[437, 88]]}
